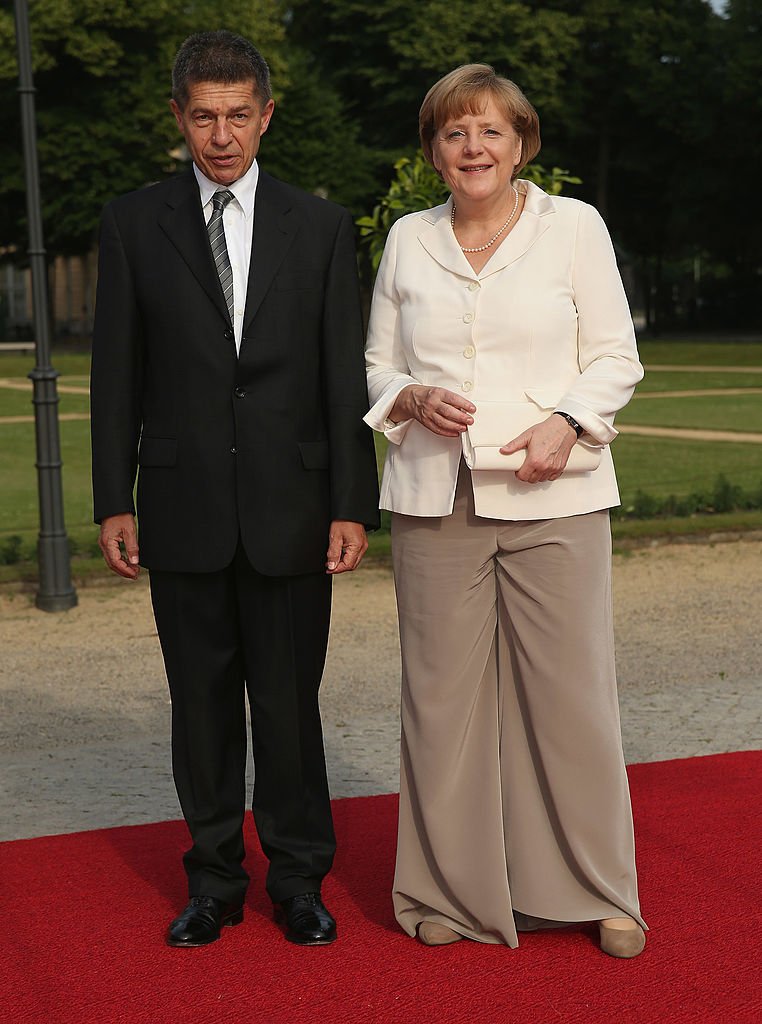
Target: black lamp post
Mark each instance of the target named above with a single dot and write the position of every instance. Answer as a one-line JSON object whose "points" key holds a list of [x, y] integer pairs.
{"points": [[55, 592]]}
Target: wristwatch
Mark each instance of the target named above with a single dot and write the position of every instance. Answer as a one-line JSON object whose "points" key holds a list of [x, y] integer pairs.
{"points": [[571, 421]]}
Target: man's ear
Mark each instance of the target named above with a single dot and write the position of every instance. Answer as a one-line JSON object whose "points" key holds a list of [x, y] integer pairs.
{"points": [[178, 114], [264, 117]]}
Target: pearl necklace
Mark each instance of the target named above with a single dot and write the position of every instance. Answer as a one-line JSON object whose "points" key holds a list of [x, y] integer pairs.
{"points": [[481, 248]]}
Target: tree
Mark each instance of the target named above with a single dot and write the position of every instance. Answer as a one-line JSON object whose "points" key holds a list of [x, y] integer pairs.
{"points": [[102, 75], [383, 57]]}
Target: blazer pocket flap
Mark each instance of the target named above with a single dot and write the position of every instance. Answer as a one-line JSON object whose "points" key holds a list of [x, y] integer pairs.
{"points": [[157, 451], [314, 454], [543, 398]]}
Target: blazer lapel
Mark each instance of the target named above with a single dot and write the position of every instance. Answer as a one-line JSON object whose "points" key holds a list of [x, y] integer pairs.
{"points": [[534, 221], [275, 227], [437, 238], [183, 223]]}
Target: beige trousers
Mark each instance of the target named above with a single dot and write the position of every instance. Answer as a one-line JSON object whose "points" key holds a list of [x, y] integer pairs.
{"points": [[514, 804]]}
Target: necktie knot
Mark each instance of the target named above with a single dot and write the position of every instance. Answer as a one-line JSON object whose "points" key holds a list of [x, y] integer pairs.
{"points": [[221, 198]]}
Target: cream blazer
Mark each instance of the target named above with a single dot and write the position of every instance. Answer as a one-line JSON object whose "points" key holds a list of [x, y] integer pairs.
{"points": [[546, 321]]}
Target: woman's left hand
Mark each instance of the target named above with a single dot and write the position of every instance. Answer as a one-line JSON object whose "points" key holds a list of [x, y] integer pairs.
{"points": [[548, 446]]}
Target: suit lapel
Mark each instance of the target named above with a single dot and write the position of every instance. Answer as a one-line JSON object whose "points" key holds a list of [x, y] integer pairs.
{"points": [[275, 226], [437, 238], [183, 223]]}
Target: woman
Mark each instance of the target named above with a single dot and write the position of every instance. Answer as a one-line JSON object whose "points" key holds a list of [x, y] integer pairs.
{"points": [[514, 806]]}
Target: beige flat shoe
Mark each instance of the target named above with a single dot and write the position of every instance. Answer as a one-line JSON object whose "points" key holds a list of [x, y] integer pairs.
{"points": [[624, 942], [431, 934]]}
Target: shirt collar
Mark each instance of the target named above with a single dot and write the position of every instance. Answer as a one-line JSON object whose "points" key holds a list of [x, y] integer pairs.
{"points": [[244, 190]]}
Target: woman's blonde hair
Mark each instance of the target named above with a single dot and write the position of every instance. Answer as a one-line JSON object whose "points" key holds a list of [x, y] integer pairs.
{"points": [[465, 91]]}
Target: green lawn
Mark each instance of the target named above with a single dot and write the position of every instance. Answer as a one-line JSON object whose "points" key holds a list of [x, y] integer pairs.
{"points": [[78, 363], [18, 509], [19, 403], [657, 466], [701, 353], [656, 380], [726, 412], [663, 466]]}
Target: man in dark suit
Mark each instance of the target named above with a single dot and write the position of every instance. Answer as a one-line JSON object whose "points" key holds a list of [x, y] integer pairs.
{"points": [[228, 374]]}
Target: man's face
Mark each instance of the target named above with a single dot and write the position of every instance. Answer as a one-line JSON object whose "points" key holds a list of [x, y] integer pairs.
{"points": [[222, 125]]}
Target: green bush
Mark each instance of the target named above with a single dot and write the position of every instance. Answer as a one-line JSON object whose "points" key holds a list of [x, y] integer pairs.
{"points": [[10, 550], [724, 497]]}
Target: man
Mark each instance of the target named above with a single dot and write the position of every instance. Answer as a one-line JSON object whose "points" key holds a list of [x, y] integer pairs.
{"points": [[228, 366]]}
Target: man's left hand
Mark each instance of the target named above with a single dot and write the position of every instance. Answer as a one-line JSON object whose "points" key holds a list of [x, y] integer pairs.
{"points": [[347, 543]]}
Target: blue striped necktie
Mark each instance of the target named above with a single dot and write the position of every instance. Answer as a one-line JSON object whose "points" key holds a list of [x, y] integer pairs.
{"points": [[220, 200]]}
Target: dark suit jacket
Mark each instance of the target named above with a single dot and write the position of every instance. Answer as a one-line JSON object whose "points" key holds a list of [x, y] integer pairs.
{"points": [[269, 446]]}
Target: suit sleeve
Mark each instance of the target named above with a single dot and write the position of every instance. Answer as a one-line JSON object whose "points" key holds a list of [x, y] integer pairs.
{"points": [[354, 477], [607, 352], [116, 377]]}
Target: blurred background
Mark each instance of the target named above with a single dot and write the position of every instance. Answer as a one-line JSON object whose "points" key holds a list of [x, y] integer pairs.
{"points": [[649, 110]]}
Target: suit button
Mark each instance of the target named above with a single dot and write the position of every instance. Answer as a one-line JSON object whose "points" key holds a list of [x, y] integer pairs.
{"points": [[239, 393], [468, 318], [229, 335], [468, 385], [469, 351], [233, 451], [473, 285]]}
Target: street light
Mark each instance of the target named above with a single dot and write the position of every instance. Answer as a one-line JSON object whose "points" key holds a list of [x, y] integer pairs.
{"points": [[55, 592]]}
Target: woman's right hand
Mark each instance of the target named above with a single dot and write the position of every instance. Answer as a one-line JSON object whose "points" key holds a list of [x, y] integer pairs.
{"points": [[439, 410]]}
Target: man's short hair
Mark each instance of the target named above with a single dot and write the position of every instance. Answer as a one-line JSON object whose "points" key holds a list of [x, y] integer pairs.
{"points": [[219, 56]]}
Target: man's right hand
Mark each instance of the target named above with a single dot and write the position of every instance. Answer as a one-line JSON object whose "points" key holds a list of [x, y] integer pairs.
{"points": [[113, 530]]}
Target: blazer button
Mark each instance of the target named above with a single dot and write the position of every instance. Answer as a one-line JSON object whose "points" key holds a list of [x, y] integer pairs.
{"points": [[233, 451], [229, 334], [239, 393], [468, 385]]}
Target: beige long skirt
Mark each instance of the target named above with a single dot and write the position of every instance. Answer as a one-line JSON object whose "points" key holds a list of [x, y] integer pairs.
{"points": [[514, 805]]}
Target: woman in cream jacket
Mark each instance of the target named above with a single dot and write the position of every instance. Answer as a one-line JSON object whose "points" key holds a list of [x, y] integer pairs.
{"points": [[514, 806]]}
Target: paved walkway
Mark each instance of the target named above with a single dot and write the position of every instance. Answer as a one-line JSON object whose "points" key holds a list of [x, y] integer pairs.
{"points": [[689, 434], [85, 714]]}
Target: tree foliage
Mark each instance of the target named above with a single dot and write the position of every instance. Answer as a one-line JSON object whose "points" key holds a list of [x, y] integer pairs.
{"points": [[653, 105], [102, 78]]}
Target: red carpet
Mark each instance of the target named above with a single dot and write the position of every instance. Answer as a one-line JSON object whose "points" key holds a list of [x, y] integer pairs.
{"points": [[83, 919]]}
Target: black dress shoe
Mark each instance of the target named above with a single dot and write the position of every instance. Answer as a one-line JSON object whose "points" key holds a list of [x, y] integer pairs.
{"points": [[202, 920], [307, 921]]}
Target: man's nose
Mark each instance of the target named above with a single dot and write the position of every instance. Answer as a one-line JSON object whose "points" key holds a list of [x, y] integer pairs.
{"points": [[221, 135]]}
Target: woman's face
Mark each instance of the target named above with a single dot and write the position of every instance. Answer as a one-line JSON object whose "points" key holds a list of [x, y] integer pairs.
{"points": [[476, 154]]}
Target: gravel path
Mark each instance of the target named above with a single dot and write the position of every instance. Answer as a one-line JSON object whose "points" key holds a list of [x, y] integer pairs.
{"points": [[84, 711]]}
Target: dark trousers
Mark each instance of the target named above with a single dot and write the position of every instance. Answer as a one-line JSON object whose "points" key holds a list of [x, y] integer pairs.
{"points": [[225, 634]]}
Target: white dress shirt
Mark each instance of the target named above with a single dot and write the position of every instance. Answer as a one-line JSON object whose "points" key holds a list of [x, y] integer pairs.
{"points": [[238, 222]]}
